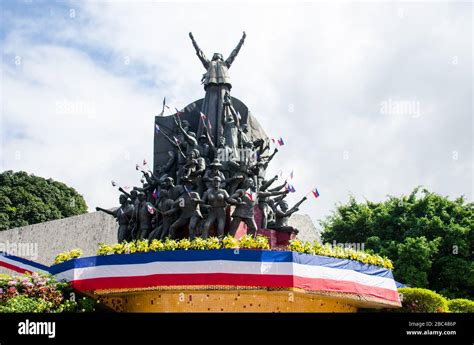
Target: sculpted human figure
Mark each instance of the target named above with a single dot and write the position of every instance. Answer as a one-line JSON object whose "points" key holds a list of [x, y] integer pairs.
{"points": [[194, 170], [244, 211], [142, 218], [133, 196], [231, 123], [283, 214], [216, 199], [216, 82], [190, 213], [263, 198], [166, 210], [123, 216], [227, 158], [214, 170], [189, 141], [206, 148], [260, 167]]}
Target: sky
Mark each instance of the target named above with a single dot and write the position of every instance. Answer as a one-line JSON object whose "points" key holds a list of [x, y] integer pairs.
{"points": [[371, 99]]}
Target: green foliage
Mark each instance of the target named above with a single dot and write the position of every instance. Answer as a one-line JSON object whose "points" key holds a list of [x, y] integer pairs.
{"points": [[39, 293], [28, 199], [461, 305], [428, 237], [24, 304], [417, 300]]}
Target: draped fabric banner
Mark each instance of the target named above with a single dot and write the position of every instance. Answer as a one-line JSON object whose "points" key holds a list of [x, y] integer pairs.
{"points": [[223, 267]]}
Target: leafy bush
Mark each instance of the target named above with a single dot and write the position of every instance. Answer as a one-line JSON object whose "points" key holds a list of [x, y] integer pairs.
{"points": [[428, 236], [418, 300], [39, 293], [461, 305], [72, 254], [24, 304]]}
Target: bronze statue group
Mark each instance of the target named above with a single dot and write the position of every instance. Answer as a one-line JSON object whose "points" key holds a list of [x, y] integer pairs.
{"points": [[204, 181]]}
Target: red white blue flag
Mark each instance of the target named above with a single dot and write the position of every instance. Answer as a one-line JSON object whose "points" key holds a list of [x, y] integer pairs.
{"points": [[315, 192], [220, 267], [150, 209]]}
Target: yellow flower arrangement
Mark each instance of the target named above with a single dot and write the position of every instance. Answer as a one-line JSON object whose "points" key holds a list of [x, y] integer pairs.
{"points": [[245, 242], [72, 254]]}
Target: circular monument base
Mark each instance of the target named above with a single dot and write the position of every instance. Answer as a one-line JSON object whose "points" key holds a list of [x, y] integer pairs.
{"points": [[224, 301]]}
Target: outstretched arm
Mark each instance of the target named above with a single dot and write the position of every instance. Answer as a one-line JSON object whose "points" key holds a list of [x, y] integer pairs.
{"points": [[234, 53], [199, 53], [208, 138], [124, 192], [277, 188], [112, 213], [268, 183]]}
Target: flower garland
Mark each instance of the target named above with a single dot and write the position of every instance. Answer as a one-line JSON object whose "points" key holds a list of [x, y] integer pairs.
{"points": [[229, 242]]}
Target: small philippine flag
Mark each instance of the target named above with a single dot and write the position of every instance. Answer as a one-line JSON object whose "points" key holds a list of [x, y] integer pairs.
{"points": [[203, 116], [315, 192], [150, 209], [250, 195], [281, 142]]}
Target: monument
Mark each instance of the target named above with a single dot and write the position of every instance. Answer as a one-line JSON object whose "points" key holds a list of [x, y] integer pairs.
{"points": [[209, 171], [208, 231]]}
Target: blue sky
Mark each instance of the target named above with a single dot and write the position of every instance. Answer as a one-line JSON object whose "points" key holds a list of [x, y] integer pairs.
{"points": [[371, 98]]}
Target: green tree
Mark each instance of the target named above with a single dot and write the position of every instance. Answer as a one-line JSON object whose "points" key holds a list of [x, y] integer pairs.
{"points": [[428, 237], [28, 199]]}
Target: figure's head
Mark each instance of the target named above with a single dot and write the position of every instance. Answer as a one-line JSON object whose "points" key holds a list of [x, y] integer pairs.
{"points": [[216, 164], [202, 139], [141, 196], [284, 205], [168, 182], [164, 193], [185, 124], [195, 153], [216, 181], [221, 141], [133, 194], [122, 199], [248, 183], [217, 56]]}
